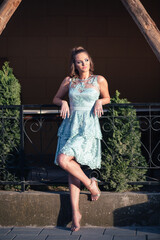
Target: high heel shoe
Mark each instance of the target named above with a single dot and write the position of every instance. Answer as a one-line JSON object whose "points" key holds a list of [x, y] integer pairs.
{"points": [[94, 185]]}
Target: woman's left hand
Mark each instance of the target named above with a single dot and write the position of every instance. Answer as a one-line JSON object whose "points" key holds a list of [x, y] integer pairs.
{"points": [[98, 109]]}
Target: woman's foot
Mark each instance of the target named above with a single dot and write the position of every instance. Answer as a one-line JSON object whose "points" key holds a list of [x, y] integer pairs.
{"points": [[94, 189], [76, 218]]}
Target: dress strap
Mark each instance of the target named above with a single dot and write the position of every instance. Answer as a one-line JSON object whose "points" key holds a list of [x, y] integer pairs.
{"points": [[95, 81], [70, 82]]}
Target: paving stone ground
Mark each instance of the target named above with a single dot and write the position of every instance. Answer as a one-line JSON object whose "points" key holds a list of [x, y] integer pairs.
{"points": [[85, 233]]}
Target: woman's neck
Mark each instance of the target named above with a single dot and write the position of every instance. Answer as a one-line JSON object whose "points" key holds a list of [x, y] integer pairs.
{"points": [[84, 75]]}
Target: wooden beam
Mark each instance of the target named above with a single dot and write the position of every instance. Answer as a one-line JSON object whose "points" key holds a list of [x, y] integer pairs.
{"points": [[145, 23], [7, 8]]}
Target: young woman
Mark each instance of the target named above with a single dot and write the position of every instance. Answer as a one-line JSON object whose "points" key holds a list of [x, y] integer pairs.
{"points": [[79, 136]]}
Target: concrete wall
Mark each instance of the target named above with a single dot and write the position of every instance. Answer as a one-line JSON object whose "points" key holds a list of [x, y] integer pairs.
{"points": [[39, 37], [53, 209]]}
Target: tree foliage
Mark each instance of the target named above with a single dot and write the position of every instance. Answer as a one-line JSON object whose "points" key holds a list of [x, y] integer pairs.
{"points": [[9, 122], [123, 161]]}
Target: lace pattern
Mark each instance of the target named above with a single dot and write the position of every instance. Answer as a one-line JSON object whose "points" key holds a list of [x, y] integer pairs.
{"points": [[82, 84], [80, 135]]}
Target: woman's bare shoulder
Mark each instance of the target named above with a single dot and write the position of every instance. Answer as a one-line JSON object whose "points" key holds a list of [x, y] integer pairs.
{"points": [[101, 79], [66, 80]]}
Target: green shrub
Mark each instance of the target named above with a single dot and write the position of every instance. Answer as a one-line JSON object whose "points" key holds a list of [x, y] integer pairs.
{"points": [[122, 154], [9, 123]]}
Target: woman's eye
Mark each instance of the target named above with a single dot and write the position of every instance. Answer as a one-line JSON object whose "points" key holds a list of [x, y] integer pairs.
{"points": [[86, 60], [78, 62]]}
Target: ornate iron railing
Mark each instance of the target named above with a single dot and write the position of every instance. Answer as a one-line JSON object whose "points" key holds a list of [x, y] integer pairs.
{"points": [[29, 159]]}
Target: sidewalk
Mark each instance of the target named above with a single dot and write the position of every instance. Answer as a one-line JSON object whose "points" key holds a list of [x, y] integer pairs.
{"points": [[85, 233]]}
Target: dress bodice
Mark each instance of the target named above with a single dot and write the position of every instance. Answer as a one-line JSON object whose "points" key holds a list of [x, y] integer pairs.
{"points": [[83, 93], [82, 121]]}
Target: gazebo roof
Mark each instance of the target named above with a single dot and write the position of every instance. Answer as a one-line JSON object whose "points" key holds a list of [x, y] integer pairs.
{"points": [[145, 23]]}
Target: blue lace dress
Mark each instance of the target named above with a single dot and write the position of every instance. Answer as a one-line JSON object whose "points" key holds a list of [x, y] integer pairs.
{"points": [[80, 134]]}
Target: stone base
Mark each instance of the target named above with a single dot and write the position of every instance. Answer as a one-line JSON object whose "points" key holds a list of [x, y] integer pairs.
{"points": [[53, 209]]}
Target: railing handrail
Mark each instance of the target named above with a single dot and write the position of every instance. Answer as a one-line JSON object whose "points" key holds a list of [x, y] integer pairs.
{"points": [[28, 108], [112, 104]]}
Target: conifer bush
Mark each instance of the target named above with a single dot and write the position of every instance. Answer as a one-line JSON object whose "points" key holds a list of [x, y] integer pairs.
{"points": [[9, 122], [122, 155]]}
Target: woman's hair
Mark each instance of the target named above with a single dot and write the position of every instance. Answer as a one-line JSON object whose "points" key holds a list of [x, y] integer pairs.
{"points": [[73, 71]]}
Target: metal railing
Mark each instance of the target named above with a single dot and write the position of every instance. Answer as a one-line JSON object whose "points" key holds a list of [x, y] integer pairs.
{"points": [[28, 138]]}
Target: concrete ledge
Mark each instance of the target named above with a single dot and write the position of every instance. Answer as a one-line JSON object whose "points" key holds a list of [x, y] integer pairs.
{"points": [[53, 209]]}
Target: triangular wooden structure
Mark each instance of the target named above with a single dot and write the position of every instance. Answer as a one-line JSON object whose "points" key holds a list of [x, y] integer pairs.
{"points": [[146, 25], [134, 7], [7, 8]]}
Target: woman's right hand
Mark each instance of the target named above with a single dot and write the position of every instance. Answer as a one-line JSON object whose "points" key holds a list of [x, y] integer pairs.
{"points": [[64, 112]]}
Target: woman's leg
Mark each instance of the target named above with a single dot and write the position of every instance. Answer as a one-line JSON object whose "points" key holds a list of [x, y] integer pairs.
{"points": [[72, 167], [74, 187]]}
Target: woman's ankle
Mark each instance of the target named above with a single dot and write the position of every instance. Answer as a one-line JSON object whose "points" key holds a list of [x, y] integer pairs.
{"points": [[75, 212]]}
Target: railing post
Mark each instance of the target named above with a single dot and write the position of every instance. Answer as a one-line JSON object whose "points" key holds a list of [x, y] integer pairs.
{"points": [[22, 155], [150, 135]]}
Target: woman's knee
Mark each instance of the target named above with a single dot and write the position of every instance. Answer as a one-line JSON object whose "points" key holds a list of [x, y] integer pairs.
{"points": [[62, 160]]}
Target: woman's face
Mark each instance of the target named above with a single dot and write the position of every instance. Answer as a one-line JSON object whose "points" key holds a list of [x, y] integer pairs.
{"points": [[82, 62]]}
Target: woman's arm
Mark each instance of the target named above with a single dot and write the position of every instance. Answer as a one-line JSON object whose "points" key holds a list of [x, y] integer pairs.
{"points": [[58, 98], [104, 96]]}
